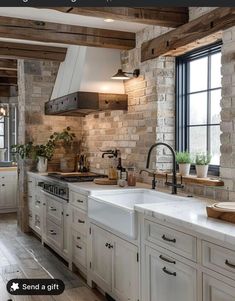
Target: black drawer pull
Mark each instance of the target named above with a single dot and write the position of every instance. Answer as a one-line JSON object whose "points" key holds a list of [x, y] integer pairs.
{"points": [[78, 237], [79, 201], [52, 232], [3, 185], [38, 202], [52, 208], [168, 239], [166, 259], [229, 264], [168, 272], [79, 247], [81, 222], [107, 244]]}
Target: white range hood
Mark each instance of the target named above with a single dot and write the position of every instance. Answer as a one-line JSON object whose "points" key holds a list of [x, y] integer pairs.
{"points": [[88, 69]]}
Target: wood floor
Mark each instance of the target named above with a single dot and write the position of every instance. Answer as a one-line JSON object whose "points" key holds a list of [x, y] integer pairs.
{"points": [[23, 256]]}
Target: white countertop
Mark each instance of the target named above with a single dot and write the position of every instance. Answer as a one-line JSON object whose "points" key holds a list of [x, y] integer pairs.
{"points": [[191, 215], [91, 187]]}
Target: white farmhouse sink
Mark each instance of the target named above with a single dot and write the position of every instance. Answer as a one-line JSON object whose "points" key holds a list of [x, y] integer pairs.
{"points": [[115, 209]]}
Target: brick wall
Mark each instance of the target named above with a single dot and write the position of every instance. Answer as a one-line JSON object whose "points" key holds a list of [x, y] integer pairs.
{"points": [[150, 115]]}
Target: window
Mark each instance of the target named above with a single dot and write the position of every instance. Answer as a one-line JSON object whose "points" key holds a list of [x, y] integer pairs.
{"points": [[198, 102], [8, 130]]}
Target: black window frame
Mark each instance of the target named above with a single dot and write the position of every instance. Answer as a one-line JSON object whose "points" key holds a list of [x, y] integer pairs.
{"points": [[182, 108]]}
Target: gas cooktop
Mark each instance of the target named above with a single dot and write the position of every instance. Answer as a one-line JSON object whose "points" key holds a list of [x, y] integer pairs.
{"points": [[76, 177]]}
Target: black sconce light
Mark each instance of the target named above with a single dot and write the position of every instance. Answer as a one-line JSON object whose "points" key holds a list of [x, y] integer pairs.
{"points": [[121, 75]]}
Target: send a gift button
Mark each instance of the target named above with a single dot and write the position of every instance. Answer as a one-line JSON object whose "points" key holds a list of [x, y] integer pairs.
{"points": [[35, 287]]}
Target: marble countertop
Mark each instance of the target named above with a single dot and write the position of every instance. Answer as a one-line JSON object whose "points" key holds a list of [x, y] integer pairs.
{"points": [[91, 187], [191, 214]]}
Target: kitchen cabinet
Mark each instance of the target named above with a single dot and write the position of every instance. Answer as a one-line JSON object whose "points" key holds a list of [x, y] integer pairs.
{"points": [[168, 279], [101, 262], [215, 290], [114, 264], [8, 190]]}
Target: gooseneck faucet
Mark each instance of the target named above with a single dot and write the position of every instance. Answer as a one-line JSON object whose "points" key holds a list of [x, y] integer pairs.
{"points": [[174, 179]]}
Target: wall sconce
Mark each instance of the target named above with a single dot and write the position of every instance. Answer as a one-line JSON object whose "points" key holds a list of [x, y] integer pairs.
{"points": [[122, 75]]}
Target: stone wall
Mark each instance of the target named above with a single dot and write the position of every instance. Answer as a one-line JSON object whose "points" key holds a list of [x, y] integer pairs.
{"points": [[36, 80]]}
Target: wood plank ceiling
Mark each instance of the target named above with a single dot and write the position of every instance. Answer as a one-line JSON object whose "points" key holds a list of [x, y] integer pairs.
{"points": [[8, 78], [161, 16]]}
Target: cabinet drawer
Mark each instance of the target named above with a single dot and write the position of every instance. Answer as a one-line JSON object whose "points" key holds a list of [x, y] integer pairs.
{"points": [[79, 221], [79, 250], [78, 200], [54, 234], [169, 279], [175, 241], [219, 259], [54, 210]]}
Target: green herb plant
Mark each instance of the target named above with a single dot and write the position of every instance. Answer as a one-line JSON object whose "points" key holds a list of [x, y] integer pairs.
{"points": [[183, 158], [203, 159]]}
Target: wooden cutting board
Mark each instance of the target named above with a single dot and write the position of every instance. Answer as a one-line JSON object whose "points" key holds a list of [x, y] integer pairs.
{"points": [[224, 211], [105, 181]]}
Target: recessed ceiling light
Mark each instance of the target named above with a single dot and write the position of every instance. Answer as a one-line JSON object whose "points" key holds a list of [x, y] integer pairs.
{"points": [[108, 20]]}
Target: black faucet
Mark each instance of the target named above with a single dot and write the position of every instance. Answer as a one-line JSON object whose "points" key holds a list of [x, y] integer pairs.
{"points": [[111, 153], [174, 179], [153, 174]]}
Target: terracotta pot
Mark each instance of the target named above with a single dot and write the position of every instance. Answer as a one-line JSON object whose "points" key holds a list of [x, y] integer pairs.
{"points": [[184, 169], [202, 171]]}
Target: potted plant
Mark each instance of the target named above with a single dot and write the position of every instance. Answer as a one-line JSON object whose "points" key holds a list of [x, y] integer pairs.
{"points": [[184, 161], [66, 138], [25, 152], [44, 152], [202, 163]]}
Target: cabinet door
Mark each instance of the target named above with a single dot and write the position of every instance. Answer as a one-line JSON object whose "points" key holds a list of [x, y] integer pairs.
{"points": [[8, 188], [214, 290], [168, 279], [101, 253], [125, 270], [66, 228]]}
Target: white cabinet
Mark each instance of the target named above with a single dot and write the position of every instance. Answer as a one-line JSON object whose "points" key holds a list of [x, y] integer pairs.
{"points": [[215, 290], [101, 262], [168, 279], [114, 265], [125, 270], [8, 190]]}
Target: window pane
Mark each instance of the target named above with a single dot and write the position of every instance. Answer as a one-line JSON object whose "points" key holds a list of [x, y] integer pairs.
{"points": [[215, 145], [198, 108], [1, 142], [198, 75], [215, 106], [216, 70], [1, 128], [197, 139]]}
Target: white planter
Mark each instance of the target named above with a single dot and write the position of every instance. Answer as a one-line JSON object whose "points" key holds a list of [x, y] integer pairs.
{"points": [[42, 164], [2, 154], [202, 171], [184, 169]]}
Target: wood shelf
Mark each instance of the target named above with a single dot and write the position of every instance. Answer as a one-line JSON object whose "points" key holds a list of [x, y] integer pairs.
{"points": [[192, 179]]}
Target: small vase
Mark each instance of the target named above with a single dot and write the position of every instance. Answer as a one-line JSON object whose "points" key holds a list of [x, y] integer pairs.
{"points": [[67, 163], [202, 171], [184, 169], [42, 164]]}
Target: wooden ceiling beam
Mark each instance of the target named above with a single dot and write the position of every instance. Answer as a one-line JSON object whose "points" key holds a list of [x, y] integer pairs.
{"points": [[194, 33], [48, 32], [11, 81], [7, 73], [162, 16], [8, 65], [32, 51]]}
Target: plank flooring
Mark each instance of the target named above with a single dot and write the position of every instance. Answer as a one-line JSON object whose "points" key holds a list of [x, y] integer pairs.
{"points": [[23, 256]]}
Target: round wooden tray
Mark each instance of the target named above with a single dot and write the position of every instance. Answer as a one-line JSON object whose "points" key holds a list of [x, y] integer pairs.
{"points": [[224, 206]]}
